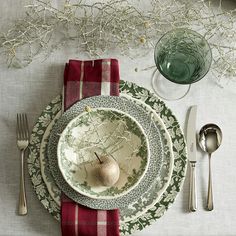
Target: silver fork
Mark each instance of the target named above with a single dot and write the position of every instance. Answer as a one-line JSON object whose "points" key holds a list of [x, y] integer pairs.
{"points": [[22, 132]]}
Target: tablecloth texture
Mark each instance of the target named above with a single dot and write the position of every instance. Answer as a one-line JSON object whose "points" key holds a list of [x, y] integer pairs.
{"points": [[30, 89]]}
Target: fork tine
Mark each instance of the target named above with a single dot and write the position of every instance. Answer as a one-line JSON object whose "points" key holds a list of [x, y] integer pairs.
{"points": [[24, 125], [18, 127], [22, 129]]}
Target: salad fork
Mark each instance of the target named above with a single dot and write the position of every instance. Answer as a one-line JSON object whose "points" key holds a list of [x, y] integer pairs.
{"points": [[22, 133]]}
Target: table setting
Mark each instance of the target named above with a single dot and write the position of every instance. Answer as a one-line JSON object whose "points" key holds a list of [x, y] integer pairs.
{"points": [[100, 142]]}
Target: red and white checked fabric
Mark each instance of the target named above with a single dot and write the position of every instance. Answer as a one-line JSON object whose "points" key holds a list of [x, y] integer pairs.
{"points": [[85, 79], [83, 221], [90, 78]]}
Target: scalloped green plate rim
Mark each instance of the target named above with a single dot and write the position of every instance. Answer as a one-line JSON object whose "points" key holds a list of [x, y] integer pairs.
{"points": [[179, 149]]}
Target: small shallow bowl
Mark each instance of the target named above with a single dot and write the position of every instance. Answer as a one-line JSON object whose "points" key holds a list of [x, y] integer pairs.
{"points": [[107, 132]]}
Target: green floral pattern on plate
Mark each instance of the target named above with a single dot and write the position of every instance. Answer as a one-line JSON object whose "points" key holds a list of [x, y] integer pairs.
{"points": [[149, 198], [156, 149], [107, 132], [180, 158], [177, 177], [34, 157], [54, 191]]}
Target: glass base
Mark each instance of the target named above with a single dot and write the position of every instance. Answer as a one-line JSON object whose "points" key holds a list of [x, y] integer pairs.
{"points": [[168, 90]]}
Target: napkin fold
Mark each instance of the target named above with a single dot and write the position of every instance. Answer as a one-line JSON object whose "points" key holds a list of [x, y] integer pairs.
{"points": [[90, 78], [85, 79]]}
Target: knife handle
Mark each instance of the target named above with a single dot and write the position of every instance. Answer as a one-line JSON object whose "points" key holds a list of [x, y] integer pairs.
{"points": [[192, 193]]}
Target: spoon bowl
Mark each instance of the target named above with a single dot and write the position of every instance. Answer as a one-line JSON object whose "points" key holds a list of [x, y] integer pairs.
{"points": [[210, 139]]}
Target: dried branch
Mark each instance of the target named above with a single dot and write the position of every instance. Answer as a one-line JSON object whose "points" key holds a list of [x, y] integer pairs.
{"points": [[102, 26]]}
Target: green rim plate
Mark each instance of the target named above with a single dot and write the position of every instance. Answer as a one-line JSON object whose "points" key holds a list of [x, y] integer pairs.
{"points": [[149, 198], [156, 148], [179, 149]]}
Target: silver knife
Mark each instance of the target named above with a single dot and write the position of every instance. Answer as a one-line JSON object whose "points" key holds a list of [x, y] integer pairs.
{"points": [[191, 147]]}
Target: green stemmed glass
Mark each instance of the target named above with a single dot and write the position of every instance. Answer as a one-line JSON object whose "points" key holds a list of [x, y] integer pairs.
{"points": [[182, 57]]}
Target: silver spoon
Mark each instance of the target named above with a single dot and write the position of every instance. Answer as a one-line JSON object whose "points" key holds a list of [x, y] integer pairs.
{"points": [[210, 138]]}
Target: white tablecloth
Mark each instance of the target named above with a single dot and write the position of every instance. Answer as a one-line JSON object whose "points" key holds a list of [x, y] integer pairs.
{"points": [[30, 89]]}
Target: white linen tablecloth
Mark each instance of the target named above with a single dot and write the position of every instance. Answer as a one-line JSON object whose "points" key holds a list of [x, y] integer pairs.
{"points": [[30, 89]]}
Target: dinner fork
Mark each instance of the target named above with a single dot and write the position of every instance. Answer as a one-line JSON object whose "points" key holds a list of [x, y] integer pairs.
{"points": [[22, 133]]}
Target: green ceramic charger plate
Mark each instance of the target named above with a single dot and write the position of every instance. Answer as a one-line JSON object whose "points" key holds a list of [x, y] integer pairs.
{"points": [[156, 148], [52, 117], [179, 150], [109, 133], [149, 198]]}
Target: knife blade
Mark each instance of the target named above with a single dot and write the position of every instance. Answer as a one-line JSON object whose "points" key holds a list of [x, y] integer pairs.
{"points": [[191, 147]]}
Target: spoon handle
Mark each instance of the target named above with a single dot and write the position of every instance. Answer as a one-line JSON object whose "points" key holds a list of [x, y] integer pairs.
{"points": [[210, 193], [192, 193]]}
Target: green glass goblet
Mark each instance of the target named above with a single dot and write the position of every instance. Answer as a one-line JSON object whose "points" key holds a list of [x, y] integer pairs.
{"points": [[182, 57]]}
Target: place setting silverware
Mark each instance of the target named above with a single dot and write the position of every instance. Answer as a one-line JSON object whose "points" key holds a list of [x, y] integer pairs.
{"points": [[191, 148], [22, 133], [209, 140]]}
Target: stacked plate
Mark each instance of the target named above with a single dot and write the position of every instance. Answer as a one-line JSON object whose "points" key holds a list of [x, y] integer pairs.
{"points": [[136, 129], [115, 136]]}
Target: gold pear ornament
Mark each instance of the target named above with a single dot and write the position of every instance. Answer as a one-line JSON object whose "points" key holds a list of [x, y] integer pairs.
{"points": [[108, 170]]}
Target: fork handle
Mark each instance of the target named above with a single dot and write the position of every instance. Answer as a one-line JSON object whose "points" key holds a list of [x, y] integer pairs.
{"points": [[22, 197]]}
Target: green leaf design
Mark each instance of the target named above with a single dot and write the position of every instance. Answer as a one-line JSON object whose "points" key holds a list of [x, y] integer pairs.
{"points": [[102, 117], [177, 178]]}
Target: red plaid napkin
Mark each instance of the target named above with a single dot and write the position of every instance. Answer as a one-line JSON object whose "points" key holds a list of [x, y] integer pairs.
{"points": [[84, 79], [90, 78]]}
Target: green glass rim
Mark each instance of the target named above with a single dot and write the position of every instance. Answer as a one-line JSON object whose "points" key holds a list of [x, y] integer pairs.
{"points": [[193, 32]]}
